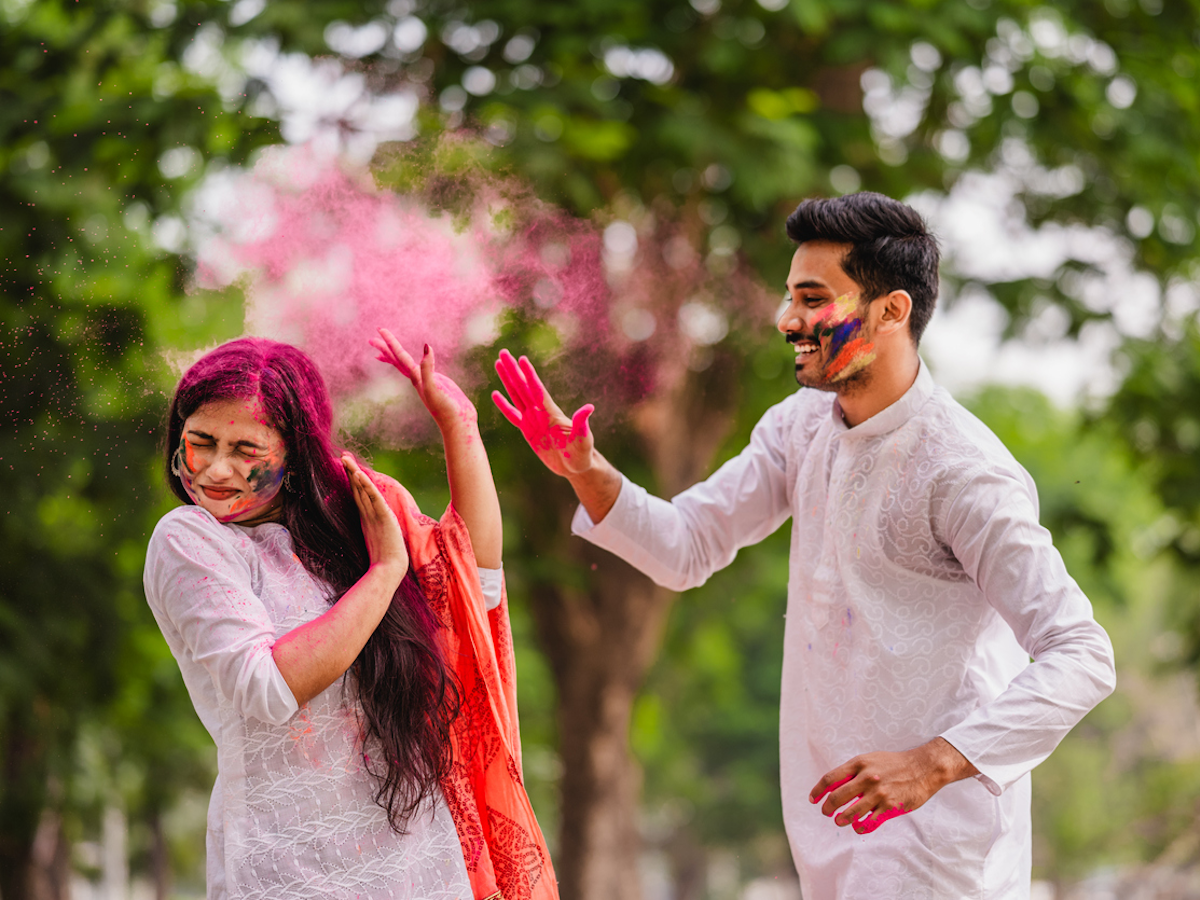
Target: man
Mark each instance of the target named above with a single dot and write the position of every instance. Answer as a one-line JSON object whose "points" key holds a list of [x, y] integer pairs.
{"points": [[921, 582]]}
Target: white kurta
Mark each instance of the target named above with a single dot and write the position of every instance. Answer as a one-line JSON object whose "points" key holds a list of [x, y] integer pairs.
{"points": [[292, 813], [921, 584]]}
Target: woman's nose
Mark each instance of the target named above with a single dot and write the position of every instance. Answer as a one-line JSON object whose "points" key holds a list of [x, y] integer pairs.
{"points": [[221, 467]]}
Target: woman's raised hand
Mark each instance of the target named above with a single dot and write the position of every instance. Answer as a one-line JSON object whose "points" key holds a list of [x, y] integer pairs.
{"points": [[442, 397], [381, 529], [564, 445]]}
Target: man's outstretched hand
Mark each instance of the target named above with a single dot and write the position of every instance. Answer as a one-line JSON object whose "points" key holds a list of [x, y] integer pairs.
{"points": [[564, 445], [875, 787]]}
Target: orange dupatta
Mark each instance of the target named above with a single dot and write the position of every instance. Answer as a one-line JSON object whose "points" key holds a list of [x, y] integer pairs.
{"points": [[502, 845]]}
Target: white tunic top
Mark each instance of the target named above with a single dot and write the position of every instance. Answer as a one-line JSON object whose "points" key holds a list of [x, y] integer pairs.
{"points": [[292, 813], [921, 584]]}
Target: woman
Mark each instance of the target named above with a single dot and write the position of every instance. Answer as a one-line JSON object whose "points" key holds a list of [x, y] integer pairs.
{"points": [[288, 570]]}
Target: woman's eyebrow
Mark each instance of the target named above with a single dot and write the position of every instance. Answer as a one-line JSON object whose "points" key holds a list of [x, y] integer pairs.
{"points": [[208, 437]]}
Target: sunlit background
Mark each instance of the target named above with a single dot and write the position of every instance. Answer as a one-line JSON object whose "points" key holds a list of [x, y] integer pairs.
{"points": [[601, 184]]}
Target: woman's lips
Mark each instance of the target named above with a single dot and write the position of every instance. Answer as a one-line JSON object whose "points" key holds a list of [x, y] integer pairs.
{"points": [[214, 493]]}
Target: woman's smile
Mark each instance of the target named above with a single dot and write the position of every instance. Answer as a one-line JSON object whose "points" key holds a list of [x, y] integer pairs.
{"points": [[218, 493]]}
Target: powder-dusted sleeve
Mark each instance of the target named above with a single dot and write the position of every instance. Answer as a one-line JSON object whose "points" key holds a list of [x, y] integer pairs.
{"points": [[199, 588], [680, 543], [992, 528]]}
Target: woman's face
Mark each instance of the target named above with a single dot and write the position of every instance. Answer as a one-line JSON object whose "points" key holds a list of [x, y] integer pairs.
{"points": [[232, 462]]}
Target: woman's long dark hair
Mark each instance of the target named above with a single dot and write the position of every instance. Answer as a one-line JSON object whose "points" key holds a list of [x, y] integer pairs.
{"points": [[407, 695]]}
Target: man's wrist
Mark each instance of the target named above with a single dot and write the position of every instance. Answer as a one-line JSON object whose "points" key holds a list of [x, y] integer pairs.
{"points": [[597, 487], [949, 763]]}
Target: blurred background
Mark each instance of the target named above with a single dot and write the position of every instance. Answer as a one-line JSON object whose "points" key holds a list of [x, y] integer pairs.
{"points": [[657, 145]]}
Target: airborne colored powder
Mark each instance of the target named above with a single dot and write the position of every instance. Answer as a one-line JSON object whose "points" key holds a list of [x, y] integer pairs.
{"points": [[634, 307], [328, 260]]}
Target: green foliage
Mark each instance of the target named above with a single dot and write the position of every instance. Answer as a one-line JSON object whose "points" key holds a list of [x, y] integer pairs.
{"points": [[94, 99], [759, 108]]}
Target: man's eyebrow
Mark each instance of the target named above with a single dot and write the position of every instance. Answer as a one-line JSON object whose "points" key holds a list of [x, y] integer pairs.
{"points": [[808, 285]]}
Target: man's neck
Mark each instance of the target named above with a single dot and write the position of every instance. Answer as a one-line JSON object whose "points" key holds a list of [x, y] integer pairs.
{"points": [[889, 381]]}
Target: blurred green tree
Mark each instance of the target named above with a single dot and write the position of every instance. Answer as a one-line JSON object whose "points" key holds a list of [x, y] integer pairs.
{"points": [[100, 130], [711, 117]]}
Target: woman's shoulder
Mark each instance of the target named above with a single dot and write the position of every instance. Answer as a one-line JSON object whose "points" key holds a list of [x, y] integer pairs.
{"points": [[186, 526], [188, 538], [187, 517]]}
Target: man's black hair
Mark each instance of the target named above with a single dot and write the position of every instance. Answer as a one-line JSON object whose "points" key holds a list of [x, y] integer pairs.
{"points": [[891, 247]]}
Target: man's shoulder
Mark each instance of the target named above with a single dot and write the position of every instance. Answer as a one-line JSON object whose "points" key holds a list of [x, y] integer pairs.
{"points": [[806, 404], [795, 418], [960, 442]]}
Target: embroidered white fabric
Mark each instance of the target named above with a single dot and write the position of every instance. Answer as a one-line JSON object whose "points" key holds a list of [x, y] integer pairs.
{"points": [[921, 583], [292, 813]]}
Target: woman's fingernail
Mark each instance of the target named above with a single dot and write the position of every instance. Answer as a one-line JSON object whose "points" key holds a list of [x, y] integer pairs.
{"points": [[426, 349]]}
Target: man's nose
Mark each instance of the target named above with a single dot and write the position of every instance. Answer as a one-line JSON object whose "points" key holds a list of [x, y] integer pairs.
{"points": [[791, 319]]}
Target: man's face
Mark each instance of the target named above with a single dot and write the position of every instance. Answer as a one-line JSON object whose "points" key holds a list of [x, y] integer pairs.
{"points": [[825, 320]]}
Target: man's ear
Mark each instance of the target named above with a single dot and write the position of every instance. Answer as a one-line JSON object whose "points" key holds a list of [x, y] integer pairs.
{"points": [[894, 311]]}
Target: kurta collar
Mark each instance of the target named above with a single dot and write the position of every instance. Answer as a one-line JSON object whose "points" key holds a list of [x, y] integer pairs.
{"points": [[891, 417]]}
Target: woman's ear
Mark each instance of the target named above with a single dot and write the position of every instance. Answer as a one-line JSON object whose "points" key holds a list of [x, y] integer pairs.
{"points": [[894, 311]]}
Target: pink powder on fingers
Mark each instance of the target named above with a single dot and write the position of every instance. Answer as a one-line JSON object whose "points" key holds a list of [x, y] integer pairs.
{"points": [[832, 788], [528, 410], [874, 819]]}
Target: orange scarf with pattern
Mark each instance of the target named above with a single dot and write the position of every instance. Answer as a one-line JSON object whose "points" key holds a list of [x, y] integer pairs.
{"points": [[502, 845]]}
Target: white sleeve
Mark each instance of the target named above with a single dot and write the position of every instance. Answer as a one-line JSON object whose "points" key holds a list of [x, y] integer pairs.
{"points": [[199, 588], [680, 543], [992, 528], [491, 581]]}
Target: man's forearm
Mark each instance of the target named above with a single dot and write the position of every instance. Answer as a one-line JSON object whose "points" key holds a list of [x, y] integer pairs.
{"points": [[597, 487]]}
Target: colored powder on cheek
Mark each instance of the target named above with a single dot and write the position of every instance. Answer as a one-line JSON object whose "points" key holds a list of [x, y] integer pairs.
{"points": [[841, 323], [852, 357], [189, 456]]}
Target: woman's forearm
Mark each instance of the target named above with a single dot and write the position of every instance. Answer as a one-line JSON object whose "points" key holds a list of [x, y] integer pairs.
{"points": [[473, 490], [314, 655]]}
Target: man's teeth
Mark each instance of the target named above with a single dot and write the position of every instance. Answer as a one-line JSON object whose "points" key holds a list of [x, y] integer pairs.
{"points": [[802, 349]]}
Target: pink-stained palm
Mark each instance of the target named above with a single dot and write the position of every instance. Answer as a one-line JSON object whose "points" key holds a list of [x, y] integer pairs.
{"points": [[556, 439]]}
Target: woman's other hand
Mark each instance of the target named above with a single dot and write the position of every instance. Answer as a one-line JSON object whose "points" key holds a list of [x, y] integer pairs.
{"points": [[381, 529], [444, 399]]}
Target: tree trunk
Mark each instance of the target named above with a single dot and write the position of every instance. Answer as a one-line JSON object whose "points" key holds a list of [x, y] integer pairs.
{"points": [[50, 874], [600, 624], [599, 644], [160, 859], [115, 853], [689, 865], [22, 799]]}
